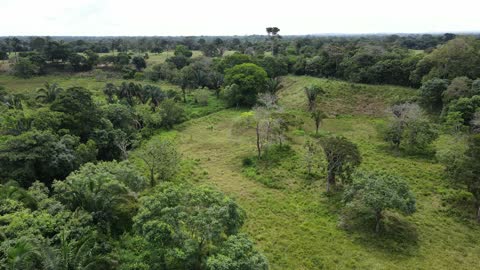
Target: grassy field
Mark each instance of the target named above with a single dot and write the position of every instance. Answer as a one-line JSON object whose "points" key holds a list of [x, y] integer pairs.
{"points": [[297, 225], [28, 88], [158, 58]]}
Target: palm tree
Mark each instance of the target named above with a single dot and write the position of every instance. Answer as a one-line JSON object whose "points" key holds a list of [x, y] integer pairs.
{"points": [[127, 91], [156, 97], [312, 93], [49, 92], [317, 116], [22, 255], [11, 190], [110, 90], [73, 254], [273, 85]]}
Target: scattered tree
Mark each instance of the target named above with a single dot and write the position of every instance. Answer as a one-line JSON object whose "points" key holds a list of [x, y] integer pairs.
{"points": [[312, 92], [342, 158], [380, 192]]}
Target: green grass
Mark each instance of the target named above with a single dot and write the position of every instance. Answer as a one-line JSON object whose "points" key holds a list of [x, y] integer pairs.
{"points": [[297, 225], [159, 58], [29, 86]]}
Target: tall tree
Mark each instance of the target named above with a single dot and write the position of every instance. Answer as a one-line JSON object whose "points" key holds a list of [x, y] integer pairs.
{"points": [[342, 158], [312, 92]]}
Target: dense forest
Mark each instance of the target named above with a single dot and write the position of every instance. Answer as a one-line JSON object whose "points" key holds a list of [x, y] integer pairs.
{"points": [[240, 152]]}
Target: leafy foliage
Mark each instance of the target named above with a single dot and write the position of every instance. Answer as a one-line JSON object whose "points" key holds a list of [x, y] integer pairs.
{"points": [[380, 192]]}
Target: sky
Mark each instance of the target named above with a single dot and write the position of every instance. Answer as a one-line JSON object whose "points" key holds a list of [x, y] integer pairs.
{"points": [[241, 17]]}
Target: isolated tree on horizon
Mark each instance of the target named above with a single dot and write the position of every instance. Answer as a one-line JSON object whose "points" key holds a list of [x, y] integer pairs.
{"points": [[274, 36]]}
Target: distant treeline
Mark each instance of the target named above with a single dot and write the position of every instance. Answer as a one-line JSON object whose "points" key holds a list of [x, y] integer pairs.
{"points": [[376, 59]]}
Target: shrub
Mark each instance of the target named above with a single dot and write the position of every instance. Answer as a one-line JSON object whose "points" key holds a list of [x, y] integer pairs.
{"points": [[201, 96]]}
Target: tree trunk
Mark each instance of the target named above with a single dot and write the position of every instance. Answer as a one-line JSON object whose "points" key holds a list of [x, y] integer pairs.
{"points": [[259, 149], [184, 95], [478, 214], [152, 178], [378, 218], [330, 180], [317, 125]]}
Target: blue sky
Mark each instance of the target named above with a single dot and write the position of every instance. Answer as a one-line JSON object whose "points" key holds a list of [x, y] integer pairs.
{"points": [[217, 17]]}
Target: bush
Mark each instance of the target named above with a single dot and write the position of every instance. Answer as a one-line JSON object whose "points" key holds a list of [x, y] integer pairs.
{"points": [[24, 68], [128, 73], [247, 162], [151, 75], [139, 76], [171, 113], [201, 96]]}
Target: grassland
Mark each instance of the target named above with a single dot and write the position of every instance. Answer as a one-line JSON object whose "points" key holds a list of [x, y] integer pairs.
{"points": [[95, 83], [297, 225]]}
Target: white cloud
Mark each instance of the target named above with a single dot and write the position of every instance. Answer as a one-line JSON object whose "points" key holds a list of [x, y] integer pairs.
{"points": [[216, 17]]}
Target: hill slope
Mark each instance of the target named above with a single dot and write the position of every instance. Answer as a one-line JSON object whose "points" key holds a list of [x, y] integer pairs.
{"points": [[297, 225]]}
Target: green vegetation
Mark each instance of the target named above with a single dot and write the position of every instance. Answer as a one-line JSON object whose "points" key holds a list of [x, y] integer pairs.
{"points": [[214, 153]]}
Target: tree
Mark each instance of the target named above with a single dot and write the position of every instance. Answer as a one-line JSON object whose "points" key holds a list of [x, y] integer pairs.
{"points": [[274, 36], [3, 55], [342, 158], [250, 79], [106, 190], [312, 93], [468, 172], [475, 123], [274, 66], [171, 113], [81, 111], [237, 252], [467, 107], [24, 68], [273, 85], [190, 221], [36, 155], [49, 92], [458, 88], [458, 57], [317, 115], [139, 63], [22, 254], [230, 61], [182, 50], [110, 90], [431, 93], [380, 192], [410, 127], [15, 44], [161, 158]]}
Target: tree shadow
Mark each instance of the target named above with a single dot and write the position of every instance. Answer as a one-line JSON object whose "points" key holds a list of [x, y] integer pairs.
{"points": [[426, 155], [397, 236]]}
